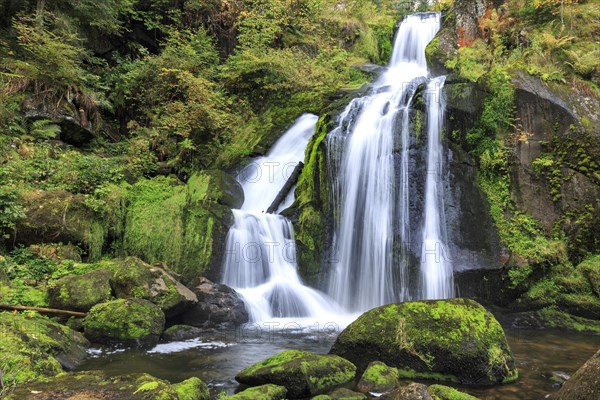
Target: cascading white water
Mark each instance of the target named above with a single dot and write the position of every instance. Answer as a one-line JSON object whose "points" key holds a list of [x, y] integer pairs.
{"points": [[260, 255], [371, 186], [436, 269]]}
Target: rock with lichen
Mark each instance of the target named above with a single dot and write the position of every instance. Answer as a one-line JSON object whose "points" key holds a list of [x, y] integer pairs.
{"points": [[453, 340], [127, 321], [303, 374]]}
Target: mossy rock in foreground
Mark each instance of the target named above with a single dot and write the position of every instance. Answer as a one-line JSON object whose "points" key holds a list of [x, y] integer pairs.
{"points": [[81, 292], [378, 378], [133, 321], [454, 340], [33, 347], [96, 385], [303, 374], [441, 392], [262, 392]]}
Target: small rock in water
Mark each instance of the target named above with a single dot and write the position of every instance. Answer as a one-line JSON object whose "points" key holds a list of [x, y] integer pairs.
{"points": [[557, 377]]}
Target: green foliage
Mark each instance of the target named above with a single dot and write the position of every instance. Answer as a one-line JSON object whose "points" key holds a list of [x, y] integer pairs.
{"points": [[10, 209]]}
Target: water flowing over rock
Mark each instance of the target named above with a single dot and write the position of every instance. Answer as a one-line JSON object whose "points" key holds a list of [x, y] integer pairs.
{"points": [[381, 230], [260, 255]]}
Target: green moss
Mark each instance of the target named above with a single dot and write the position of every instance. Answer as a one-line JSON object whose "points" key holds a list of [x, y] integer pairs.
{"points": [[124, 320], [442, 392], [192, 389], [447, 339], [552, 317], [262, 392], [81, 292], [379, 378], [178, 224], [312, 203], [300, 372], [95, 384], [28, 344]]}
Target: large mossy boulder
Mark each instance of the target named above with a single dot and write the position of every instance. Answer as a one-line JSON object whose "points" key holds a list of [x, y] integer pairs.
{"points": [[136, 279], [81, 292], [182, 225], [97, 385], [32, 347], [262, 392], [455, 340], [129, 321], [584, 384], [303, 374]]}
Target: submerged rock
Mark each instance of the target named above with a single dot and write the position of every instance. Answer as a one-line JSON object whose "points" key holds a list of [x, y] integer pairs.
{"points": [[584, 384], [455, 340], [378, 378], [219, 306], [133, 321], [301, 373], [96, 385], [137, 279], [81, 292], [177, 333], [262, 392], [32, 347]]}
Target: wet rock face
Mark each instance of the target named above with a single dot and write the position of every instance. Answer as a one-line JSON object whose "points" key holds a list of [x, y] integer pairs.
{"points": [[219, 306], [584, 384]]}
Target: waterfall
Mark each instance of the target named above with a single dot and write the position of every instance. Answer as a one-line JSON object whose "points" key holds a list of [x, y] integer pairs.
{"points": [[371, 168], [260, 253]]}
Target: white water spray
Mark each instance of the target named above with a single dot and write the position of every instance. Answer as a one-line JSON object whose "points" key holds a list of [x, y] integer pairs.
{"points": [[371, 187], [260, 260]]}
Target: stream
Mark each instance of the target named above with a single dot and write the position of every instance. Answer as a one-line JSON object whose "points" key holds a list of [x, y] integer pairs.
{"points": [[218, 357]]}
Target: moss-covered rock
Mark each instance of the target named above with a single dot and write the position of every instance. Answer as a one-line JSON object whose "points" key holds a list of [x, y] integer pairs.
{"points": [[131, 321], [192, 389], [181, 332], [59, 216], [96, 385], [346, 394], [311, 206], [81, 292], [584, 384], [262, 392], [136, 279], [32, 347], [378, 378], [441, 392], [57, 252], [301, 373], [456, 340], [413, 391], [182, 225]]}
